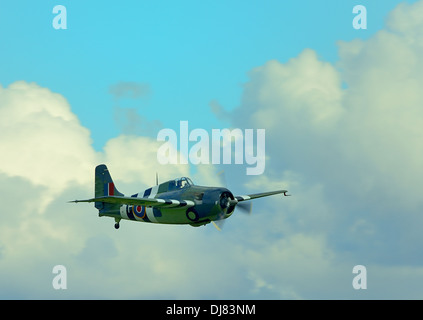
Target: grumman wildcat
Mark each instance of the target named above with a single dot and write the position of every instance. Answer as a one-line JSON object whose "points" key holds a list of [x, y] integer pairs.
{"points": [[176, 201]]}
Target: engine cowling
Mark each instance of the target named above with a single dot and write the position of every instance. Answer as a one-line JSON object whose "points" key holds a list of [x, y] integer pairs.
{"points": [[225, 202]]}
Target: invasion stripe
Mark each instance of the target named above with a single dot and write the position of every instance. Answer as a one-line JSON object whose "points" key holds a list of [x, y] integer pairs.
{"points": [[123, 213], [129, 212], [147, 193], [153, 191], [150, 215]]}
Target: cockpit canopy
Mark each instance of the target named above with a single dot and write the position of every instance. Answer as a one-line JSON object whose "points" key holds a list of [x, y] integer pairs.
{"points": [[180, 183]]}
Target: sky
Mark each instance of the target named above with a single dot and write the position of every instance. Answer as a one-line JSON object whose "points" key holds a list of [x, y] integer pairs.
{"points": [[342, 112]]}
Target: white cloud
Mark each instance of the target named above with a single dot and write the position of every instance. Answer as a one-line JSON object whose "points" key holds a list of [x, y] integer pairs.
{"points": [[133, 160], [55, 163], [365, 137], [301, 260], [304, 93], [407, 20], [350, 156], [42, 140], [351, 134]]}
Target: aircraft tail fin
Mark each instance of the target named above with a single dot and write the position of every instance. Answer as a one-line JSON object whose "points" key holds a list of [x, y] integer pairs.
{"points": [[104, 185]]}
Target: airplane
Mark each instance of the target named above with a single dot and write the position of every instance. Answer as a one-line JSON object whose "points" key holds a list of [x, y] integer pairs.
{"points": [[177, 201]]}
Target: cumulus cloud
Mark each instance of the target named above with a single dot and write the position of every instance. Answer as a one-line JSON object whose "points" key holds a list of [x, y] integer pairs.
{"points": [[42, 140], [349, 154], [134, 159], [350, 131], [41, 135], [307, 90], [48, 161]]}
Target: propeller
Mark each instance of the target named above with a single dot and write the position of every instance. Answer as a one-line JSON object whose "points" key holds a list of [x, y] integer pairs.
{"points": [[218, 224], [227, 202], [245, 207]]}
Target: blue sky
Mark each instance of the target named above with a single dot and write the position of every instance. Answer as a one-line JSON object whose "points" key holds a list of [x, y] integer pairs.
{"points": [[188, 52], [343, 119]]}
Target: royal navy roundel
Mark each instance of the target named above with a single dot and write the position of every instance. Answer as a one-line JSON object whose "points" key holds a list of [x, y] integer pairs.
{"points": [[139, 211]]}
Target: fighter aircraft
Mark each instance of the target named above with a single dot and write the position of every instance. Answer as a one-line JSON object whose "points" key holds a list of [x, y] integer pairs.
{"points": [[176, 201]]}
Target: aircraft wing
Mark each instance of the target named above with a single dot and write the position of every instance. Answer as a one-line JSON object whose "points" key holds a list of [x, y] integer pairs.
{"points": [[259, 195], [147, 202]]}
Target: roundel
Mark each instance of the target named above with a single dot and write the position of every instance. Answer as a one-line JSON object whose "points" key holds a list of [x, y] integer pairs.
{"points": [[139, 211]]}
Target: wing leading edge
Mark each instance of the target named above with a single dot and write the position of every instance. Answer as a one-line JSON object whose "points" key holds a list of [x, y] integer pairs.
{"points": [[148, 202], [260, 195]]}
